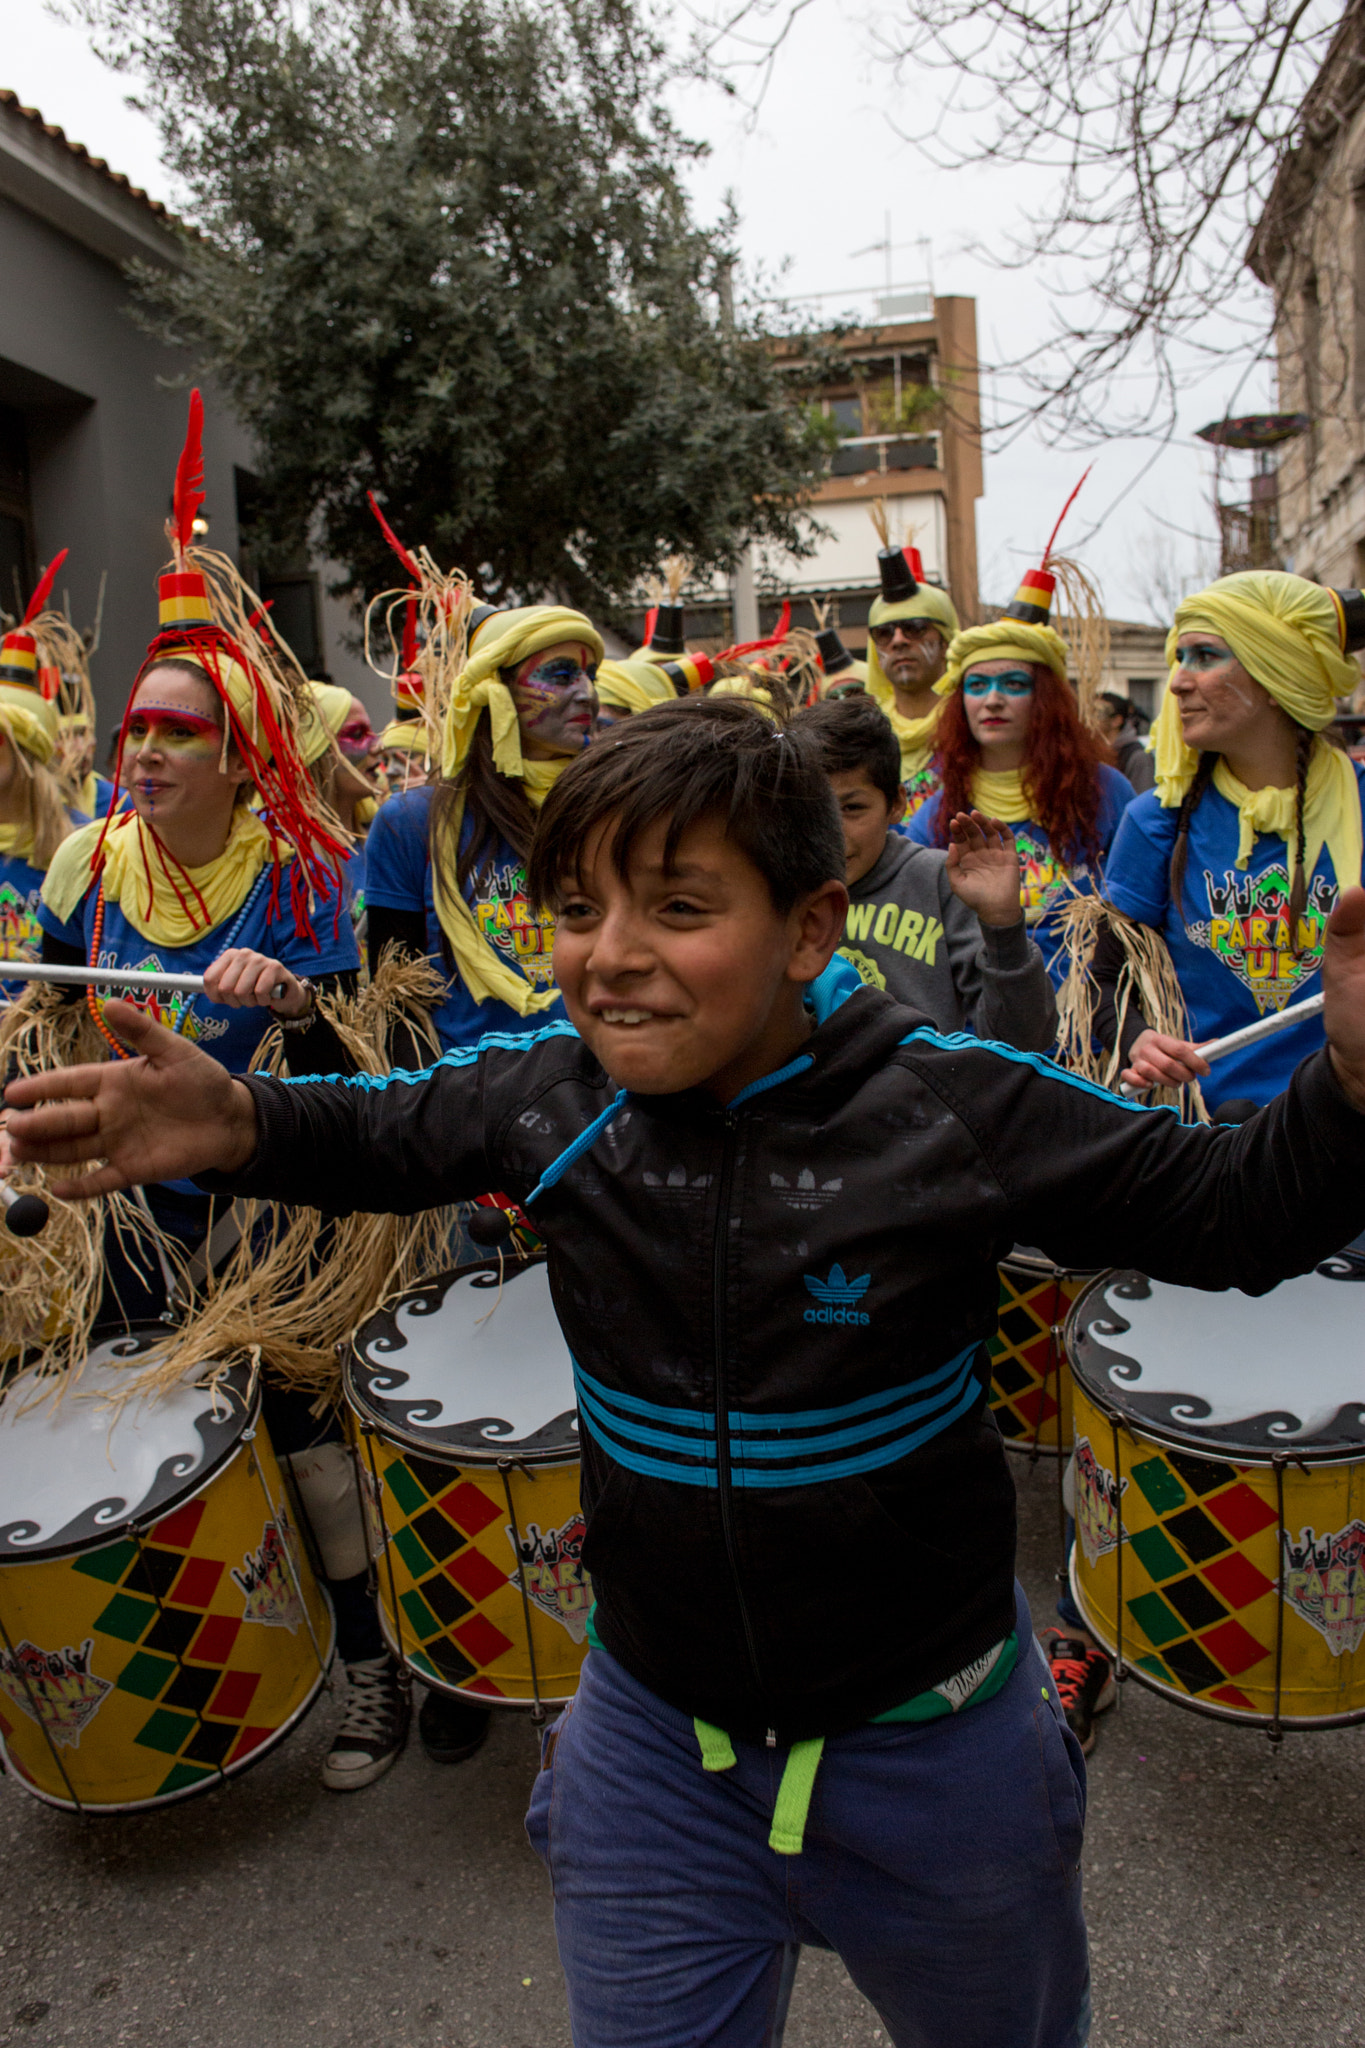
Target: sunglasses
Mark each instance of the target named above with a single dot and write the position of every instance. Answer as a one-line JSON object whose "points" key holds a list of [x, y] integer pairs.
{"points": [[909, 629], [1199, 660], [1016, 682]]}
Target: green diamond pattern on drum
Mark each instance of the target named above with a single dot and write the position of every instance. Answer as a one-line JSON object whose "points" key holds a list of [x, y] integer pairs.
{"points": [[181, 1776], [1160, 1558], [126, 1617], [404, 1488], [145, 1675], [413, 1553], [108, 1564], [420, 1617], [1155, 1618], [165, 1731], [1160, 1487]]}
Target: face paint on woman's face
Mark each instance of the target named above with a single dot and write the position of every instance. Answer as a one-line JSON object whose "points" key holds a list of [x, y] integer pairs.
{"points": [[555, 704], [172, 763]]}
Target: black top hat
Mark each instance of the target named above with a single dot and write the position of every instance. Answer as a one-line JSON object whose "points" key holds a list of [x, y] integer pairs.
{"points": [[834, 656], [898, 578], [1351, 605], [667, 637]]}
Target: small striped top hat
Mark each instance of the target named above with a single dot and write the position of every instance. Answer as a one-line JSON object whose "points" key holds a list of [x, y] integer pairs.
{"points": [[19, 665]]}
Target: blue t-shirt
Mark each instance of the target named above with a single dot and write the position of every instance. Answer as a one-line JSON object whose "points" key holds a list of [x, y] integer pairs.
{"points": [[104, 796], [1234, 953], [398, 877], [21, 895], [232, 1036], [1046, 882]]}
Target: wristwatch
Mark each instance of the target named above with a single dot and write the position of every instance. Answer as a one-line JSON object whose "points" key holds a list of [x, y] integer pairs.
{"points": [[300, 1023]]}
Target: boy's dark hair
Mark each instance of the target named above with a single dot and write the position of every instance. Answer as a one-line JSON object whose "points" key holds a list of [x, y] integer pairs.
{"points": [[854, 732], [705, 757]]}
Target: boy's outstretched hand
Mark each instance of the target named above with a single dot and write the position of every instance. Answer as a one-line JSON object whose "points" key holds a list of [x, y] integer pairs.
{"points": [[983, 868], [1343, 988], [168, 1114]]}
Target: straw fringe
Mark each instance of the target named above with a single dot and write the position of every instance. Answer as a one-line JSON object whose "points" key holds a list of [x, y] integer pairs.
{"points": [[444, 600], [1083, 625], [1148, 981]]}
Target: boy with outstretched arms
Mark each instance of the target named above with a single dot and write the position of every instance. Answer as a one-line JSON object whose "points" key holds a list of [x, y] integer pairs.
{"points": [[942, 932], [814, 1711]]}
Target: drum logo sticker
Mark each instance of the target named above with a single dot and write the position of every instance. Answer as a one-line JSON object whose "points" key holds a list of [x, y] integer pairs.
{"points": [[1097, 1505], [1324, 1578], [553, 1575], [55, 1687], [267, 1580]]}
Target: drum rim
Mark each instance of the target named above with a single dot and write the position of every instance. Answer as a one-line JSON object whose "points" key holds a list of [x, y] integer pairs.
{"points": [[1032, 1259], [1170, 1435], [395, 1434], [248, 1418]]}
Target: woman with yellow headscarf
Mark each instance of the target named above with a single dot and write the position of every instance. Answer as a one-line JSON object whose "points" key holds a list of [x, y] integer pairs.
{"points": [[625, 687], [446, 864], [34, 818], [1253, 830]]}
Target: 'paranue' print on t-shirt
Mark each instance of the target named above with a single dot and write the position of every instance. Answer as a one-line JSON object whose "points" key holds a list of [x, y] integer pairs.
{"points": [[175, 1010], [1250, 931], [505, 916], [21, 934]]}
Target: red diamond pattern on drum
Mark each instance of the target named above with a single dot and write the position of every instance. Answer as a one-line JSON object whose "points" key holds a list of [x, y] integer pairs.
{"points": [[1237, 1579], [480, 1639], [1233, 1646], [178, 1529], [213, 1644], [197, 1581], [1241, 1512], [249, 1739], [468, 1509], [235, 1694], [476, 1574], [1232, 1696]]}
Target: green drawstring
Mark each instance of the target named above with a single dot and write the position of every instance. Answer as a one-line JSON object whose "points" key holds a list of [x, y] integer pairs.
{"points": [[788, 1832]]}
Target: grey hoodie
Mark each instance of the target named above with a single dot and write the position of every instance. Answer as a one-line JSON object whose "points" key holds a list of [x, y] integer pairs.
{"points": [[909, 934]]}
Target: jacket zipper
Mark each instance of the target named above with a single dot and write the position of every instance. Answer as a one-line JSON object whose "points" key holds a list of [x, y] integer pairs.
{"points": [[718, 1278]]}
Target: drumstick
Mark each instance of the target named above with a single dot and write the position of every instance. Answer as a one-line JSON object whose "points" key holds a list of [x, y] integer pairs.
{"points": [[112, 977], [1249, 1034], [25, 1215]]}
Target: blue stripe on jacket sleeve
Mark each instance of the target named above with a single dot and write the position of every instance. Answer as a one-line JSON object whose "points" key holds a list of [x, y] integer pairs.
{"points": [[966, 1041], [458, 1056]]}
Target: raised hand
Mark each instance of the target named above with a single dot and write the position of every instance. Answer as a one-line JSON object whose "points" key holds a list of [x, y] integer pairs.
{"points": [[1343, 989], [165, 1115], [983, 867]]}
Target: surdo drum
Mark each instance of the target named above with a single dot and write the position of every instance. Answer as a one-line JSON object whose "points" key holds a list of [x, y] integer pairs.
{"points": [[1219, 1491], [462, 1406], [1030, 1393], [160, 1627]]}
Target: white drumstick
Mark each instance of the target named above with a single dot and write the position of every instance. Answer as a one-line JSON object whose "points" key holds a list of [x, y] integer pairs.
{"points": [[1250, 1034], [111, 977]]}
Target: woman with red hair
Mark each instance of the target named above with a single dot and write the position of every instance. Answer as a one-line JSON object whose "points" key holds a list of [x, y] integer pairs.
{"points": [[1011, 745]]}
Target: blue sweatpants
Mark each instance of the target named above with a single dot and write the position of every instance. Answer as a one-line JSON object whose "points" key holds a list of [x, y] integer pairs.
{"points": [[941, 1862]]}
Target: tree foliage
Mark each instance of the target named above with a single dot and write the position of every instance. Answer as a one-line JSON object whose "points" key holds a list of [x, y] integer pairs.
{"points": [[443, 250]]}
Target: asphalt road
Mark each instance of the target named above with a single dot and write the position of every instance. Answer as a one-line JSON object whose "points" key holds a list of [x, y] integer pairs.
{"points": [[1224, 1886]]}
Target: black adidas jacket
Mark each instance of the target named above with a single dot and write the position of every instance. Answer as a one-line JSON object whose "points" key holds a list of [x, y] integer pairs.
{"points": [[799, 1512]]}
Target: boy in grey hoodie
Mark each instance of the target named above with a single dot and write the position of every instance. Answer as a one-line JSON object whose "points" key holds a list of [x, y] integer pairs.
{"points": [[943, 932]]}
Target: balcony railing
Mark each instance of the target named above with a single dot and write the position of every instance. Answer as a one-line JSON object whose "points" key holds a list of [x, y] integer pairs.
{"points": [[885, 454]]}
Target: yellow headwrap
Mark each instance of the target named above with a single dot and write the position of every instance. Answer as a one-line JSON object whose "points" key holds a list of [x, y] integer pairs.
{"points": [[740, 686], [1003, 640], [916, 735], [331, 707], [928, 602], [1286, 632], [503, 640], [636, 684], [131, 854], [30, 721], [408, 735]]}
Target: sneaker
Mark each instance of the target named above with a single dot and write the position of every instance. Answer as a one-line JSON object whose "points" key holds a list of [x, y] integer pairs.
{"points": [[452, 1729], [375, 1726], [1084, 1678]]}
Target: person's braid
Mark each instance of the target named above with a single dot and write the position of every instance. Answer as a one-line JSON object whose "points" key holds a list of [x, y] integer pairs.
{"points": [[1298, 894], [1203, 776]]}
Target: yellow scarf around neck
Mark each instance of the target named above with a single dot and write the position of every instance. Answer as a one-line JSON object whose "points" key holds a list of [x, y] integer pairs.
{"points": [[1004, 795], [1331, 814], [173, 916], [481, 968], [17, 841]]}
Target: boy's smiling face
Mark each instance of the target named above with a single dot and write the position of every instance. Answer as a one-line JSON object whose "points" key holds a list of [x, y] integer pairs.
{"points": [[690, 978]]}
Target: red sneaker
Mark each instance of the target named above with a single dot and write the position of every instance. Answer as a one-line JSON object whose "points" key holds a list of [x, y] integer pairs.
{"points": [[1084, 1678]]}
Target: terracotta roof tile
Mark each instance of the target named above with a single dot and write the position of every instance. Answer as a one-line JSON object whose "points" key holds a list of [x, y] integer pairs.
{"points": [[82, 155]]}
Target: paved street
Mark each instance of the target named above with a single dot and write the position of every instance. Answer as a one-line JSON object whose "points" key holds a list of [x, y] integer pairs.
{"points": [[1224, 1884]]}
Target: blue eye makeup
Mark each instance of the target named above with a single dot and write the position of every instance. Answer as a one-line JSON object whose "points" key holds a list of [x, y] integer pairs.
{"points": [[1016, 682], [1199, 660]]}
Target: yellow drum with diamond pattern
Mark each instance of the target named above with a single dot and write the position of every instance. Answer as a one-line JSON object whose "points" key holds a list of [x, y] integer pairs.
{"points": [[1030, 1377], [159, 1625], [462, 1410], [1219, 1492]]}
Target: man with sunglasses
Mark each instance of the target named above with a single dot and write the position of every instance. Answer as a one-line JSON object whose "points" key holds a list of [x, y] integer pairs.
{"points": [[908, 630]]}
